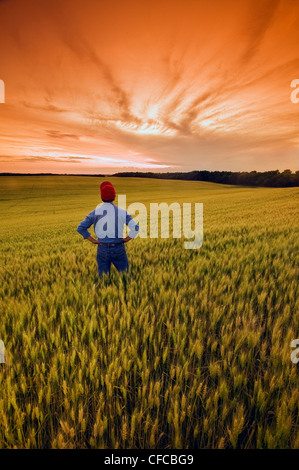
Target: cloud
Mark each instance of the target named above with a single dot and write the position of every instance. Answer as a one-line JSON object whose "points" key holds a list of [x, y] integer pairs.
{"points": [[261, 18], [41, 107], [200, 84], [60, 135], [85, 52], [58, 159]]}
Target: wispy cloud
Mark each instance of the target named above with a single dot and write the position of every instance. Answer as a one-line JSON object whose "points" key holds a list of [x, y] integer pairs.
{"points": [[261, 16], [60, 135], [138, 85]]}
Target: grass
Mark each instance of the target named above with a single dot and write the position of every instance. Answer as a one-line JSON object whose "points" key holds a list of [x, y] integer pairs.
{"points": [[191, 349]]}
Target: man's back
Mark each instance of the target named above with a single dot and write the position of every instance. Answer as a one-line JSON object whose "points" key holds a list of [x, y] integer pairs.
{"points": [[109, 222]]}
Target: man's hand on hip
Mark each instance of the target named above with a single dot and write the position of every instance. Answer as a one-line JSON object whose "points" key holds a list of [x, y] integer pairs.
{"points": [[93, 240]]}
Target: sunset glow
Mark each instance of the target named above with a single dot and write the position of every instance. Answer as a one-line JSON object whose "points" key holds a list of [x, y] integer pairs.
{"points": [[103, 86]]}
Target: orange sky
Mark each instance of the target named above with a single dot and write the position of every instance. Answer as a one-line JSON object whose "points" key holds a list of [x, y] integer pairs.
{"points": [[97, 86]]}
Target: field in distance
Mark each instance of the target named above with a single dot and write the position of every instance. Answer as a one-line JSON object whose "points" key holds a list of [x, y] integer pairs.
{"points": [[191, 349]]}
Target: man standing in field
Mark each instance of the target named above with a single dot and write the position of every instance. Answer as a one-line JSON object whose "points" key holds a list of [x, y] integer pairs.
{"points": [[109, 221]]}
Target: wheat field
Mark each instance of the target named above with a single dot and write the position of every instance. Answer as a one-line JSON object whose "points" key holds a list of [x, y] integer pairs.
{"points": [[191, 349]]}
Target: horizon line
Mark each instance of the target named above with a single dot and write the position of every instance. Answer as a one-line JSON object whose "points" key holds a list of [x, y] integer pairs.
{"points": [[8, 173]]}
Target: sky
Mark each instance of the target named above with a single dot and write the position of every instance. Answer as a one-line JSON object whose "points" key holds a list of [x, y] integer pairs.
{"points": [[102, 86]]}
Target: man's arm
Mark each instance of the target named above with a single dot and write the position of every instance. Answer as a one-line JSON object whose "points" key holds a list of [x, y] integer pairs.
{"points": [[133, 226], [84, 226], [92, 240]]}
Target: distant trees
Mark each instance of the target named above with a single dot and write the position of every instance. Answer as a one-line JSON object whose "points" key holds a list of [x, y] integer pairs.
{"points": [[274, 178]]}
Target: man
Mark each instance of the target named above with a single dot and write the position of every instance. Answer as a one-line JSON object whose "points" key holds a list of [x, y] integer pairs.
{"points": [[109, 221]]}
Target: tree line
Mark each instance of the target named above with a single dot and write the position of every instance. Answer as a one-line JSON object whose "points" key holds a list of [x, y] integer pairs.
{"points": [[275, 178]]}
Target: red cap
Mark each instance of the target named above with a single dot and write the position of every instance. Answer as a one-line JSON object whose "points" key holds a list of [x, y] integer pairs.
{"points": [[107, 191]]}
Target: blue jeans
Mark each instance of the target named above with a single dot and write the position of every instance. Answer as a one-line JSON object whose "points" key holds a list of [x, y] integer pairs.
{"points": [[112, 254]]}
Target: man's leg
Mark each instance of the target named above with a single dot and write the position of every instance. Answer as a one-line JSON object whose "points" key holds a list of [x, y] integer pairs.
{"points": [[103, 260], [119, 257]]}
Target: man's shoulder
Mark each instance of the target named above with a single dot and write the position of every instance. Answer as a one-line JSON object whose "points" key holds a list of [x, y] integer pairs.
{"points": [[104, 208], [121, 210], [107, 207], [100, 208], [91, 214]]}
